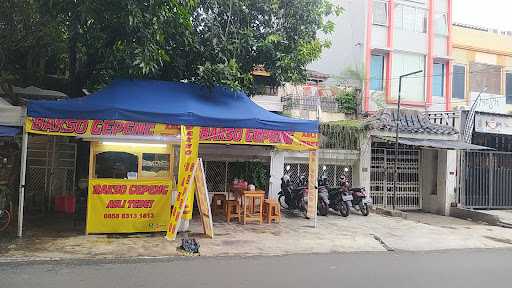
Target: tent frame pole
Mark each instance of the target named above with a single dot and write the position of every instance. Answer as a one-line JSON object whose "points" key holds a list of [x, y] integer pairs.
{"points": [[23, 170]]}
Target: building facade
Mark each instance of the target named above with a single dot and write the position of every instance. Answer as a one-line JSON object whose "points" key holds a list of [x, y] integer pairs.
{"points": [[380, 40], [482, 66], [482, 86]]}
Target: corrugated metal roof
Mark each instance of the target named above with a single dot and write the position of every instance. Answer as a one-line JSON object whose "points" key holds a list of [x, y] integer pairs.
{"points": [[411, 121], [438, 144]]}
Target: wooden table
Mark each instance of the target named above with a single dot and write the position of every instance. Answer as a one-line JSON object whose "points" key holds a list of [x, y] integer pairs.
{"points": [[249, 211]]}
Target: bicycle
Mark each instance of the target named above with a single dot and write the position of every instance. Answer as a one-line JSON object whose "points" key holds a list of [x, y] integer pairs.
{"points": [[5, 208]]}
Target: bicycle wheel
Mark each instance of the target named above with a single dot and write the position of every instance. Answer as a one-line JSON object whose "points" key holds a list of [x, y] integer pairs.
{"points": [[5, 219]]}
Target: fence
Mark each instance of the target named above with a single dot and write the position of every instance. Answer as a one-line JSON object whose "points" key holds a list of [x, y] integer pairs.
{"points": [[408, 196], [334, 173], [51, 165], [310, 103], [219, 174], [485, 180]]}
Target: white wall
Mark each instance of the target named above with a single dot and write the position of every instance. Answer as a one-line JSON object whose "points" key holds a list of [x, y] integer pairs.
{"points": [[347, 49], [444, 182]]}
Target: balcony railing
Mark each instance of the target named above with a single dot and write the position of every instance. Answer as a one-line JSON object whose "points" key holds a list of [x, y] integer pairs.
{"points": [[451, 119], [266, 90], [310, 103]]}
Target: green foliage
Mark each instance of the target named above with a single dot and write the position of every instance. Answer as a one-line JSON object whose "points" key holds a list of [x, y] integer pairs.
{"points": [[344, 134], [346, 98], [257, 173], [85, 44]]}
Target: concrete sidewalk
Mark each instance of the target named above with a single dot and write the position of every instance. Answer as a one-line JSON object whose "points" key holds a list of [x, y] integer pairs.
{"points": [[504, 216], [420, 232]]}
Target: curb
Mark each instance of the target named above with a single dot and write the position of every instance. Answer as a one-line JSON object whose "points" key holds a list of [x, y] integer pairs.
{"points": [[391, 213]]}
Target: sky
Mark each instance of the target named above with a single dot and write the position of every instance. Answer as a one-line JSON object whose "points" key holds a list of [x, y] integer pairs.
{"points": [[487, 13]]}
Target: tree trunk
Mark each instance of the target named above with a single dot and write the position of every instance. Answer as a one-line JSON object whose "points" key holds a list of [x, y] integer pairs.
{"points": [[74, 77]]}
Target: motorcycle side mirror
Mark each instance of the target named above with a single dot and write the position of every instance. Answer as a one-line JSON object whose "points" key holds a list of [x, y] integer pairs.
{"points": [[287, 167]]}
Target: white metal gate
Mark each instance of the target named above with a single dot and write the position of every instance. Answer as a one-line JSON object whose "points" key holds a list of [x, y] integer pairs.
{"points": [[408, 195], [51, 165], [333, 172]]}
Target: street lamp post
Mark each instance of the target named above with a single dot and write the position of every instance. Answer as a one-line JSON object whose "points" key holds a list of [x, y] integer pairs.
{"points": [[395, 178]]}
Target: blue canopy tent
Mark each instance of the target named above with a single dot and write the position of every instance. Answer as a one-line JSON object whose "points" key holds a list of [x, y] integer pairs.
{"points": [[170, 103], [7, 131], [163, 102]]}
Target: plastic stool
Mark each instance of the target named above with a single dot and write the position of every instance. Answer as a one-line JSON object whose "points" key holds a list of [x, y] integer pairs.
{"points": [[233, 210], [218, 203], [271, 211]]}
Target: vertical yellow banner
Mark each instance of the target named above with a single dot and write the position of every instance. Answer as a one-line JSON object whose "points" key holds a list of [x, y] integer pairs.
{"points": [[312, 182], [185, 198]]}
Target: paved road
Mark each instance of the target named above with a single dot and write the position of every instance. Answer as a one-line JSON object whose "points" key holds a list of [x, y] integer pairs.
{"points": [[463, 268]]}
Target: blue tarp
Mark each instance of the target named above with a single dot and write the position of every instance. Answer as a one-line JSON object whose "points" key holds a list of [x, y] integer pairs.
{"points": [[7, 131], [169, 103]]}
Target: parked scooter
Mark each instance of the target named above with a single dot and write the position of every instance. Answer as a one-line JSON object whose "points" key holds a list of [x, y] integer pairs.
{"points": [[323, 194], [339, 200], [361, 200], [291, 197]]}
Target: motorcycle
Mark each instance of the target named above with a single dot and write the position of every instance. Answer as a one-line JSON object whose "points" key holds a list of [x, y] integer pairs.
{"points": [[339, 200], [291, 197], [361, 200], [323, 195]]}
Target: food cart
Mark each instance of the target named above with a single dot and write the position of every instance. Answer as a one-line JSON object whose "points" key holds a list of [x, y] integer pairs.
{"points": [[141, 123]]}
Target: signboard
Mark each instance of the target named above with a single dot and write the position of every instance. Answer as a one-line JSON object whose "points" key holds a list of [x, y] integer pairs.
{"points": [[202, 199], [88, 128], [287, 140], [312, 182], [127, 206], [494, 124], [185, 198], [281, 139], [489, 103]]}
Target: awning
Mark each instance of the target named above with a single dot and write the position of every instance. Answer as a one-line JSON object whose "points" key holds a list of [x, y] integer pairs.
{"points": [[438, 144], [6, 131], [10, 115], [176, 103]]}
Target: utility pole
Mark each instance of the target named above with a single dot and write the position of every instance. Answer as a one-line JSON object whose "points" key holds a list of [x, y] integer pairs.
{"points": [[395, 178]]}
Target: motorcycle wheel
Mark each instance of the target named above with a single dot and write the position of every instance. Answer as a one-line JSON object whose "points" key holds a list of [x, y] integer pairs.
{"points": [[282, 202], [323, 209], [364, 209], [344, 209]]}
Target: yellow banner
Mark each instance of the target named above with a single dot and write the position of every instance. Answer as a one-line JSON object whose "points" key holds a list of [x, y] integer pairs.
{"points": [[312, 182], [286, 140], [88, 128], [184, 201], [281, 139], [127, 206]]}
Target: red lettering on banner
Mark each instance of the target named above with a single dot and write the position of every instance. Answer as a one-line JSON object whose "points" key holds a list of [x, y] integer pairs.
{"points": [[287, 138], [248, 135], [140, 203], [109, 189], [108, 125], [116, 204], [148, 189], [81, 126], [96, 127], [205, 133], [59, 125], [119, 127]]}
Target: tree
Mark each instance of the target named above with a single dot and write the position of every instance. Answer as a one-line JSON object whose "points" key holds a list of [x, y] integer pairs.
{"points": [[85, 44], [235, 35]]}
